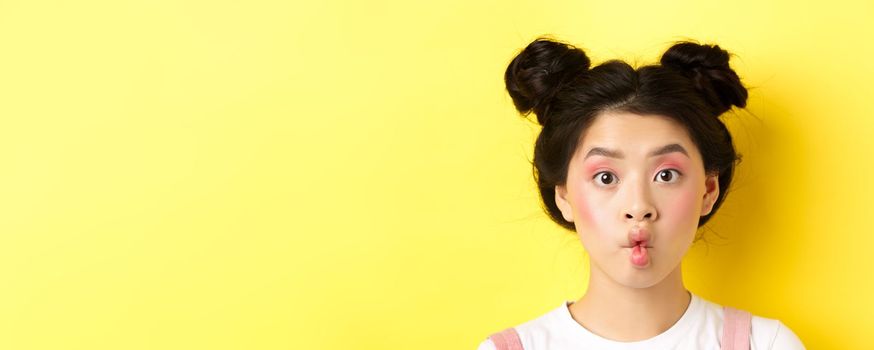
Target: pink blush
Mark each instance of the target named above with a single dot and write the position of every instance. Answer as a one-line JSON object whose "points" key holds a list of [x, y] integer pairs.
{"points": [[683, 205], [583, 209], [685, 201]]}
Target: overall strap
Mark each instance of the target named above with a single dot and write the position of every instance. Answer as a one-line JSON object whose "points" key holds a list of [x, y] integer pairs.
{"points": [[736, 329], [507, 339]]}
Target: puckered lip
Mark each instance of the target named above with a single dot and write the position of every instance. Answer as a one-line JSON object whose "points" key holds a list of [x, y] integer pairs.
{"points": [[646, 246], [638, 236]]}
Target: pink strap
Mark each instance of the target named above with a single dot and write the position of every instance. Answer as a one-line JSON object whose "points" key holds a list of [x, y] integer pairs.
{"points": [[736, 329], [507, 339]]}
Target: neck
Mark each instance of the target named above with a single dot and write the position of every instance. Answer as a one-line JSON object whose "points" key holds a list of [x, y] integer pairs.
{"points": [[622, 313]]}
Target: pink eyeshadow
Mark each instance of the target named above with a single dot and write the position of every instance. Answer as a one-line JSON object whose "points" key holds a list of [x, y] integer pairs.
{"points": [[592, 167], [674, 161], [674, 166]]}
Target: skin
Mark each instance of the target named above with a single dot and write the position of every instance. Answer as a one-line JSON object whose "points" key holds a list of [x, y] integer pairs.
{"points": [[623, 302]]}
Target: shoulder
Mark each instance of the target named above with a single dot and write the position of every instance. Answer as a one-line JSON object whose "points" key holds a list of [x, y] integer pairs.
{"points": [[487, 344], [768, 333], [765, 333], [535, 332]]}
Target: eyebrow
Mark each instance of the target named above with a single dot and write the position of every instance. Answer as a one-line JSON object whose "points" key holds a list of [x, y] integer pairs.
{"points": [[606, 152]]}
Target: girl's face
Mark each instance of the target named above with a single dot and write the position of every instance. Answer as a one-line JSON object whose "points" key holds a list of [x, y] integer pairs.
{"points": [[636, 178]]}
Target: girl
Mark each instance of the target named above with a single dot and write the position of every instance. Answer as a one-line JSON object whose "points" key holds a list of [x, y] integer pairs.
{"points": [[633, 161]]}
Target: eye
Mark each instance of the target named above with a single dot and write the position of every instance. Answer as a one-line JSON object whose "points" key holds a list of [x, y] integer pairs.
{"points": [[668, 175], [605, 178]]}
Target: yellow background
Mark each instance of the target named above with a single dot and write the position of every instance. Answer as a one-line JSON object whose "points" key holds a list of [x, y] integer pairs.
{"points": [[339, 175]]}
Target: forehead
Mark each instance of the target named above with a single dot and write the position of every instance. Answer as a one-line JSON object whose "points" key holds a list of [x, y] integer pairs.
{"points": [[634, 134]]}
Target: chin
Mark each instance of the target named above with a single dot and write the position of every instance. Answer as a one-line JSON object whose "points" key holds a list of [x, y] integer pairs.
{"points": [[641, 281], [634, 277]]}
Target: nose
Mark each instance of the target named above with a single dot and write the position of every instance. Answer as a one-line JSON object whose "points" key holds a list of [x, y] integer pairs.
{"points": [[640, 215], [639, 206]]}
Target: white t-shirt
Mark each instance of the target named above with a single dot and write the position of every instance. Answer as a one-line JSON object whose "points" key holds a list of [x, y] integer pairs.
{"points": [[700, 327]]}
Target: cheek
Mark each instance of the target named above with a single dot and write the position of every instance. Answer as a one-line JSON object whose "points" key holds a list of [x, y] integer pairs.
{"points": [[592, 212], [584, 211], [683, 207]]}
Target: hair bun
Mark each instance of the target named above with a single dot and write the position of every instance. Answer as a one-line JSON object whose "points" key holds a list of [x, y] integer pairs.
{"points": [[707, 66], [537, 73]]}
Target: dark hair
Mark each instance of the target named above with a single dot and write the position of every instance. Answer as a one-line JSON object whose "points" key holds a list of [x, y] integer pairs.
{"points": [[693, 84]]}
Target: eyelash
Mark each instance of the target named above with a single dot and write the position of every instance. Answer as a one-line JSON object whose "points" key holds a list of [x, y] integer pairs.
{"points": [[679, 174]]}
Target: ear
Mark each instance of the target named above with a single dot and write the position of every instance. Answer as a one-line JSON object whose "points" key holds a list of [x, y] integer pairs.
{"points": [[562, 203], [711, 185]]}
